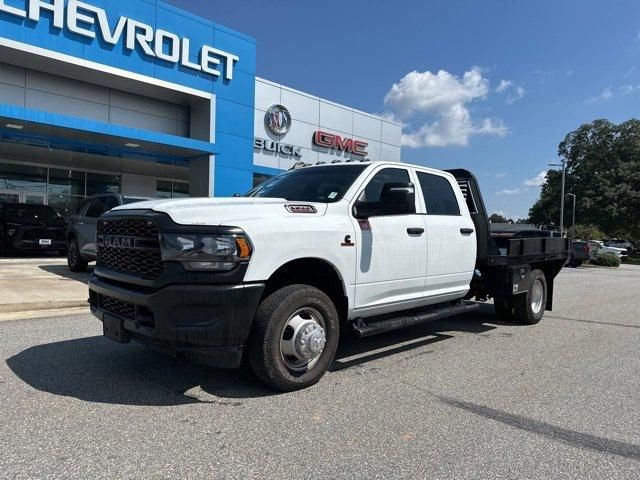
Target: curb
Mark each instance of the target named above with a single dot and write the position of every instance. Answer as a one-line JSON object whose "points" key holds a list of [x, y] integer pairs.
{"points": [[34, 306]]}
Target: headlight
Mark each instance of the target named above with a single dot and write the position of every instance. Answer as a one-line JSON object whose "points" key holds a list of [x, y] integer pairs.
{"points": [[205, 251]]}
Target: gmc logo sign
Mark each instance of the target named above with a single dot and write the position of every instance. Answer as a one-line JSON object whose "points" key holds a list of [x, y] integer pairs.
{"points": [[330, 140]]}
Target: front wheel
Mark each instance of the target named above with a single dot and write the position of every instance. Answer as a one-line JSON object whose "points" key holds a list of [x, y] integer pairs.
{"points": [[75, 262], [294, 337], [529, 307]]}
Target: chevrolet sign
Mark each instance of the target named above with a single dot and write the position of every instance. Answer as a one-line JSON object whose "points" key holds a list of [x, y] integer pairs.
{"points": [[88, 20]]}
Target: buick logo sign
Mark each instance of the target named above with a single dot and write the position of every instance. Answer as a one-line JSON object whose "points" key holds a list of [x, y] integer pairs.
{"points": [[278, 120]]}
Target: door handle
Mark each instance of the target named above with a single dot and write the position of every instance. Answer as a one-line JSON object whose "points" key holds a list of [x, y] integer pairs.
{"points": [[466, 231], [415, 231]]}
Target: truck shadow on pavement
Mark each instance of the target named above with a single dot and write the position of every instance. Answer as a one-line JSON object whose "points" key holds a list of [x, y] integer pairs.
{"points": [[63, 271], [95, 369]]}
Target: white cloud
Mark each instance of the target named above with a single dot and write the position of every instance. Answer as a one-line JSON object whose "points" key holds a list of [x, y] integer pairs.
{"points": [[503, 85], [501, 175], [569, 73], [510, 191], [514, 96], [626, 89], [513, 92], [438, 102], [606, 94], [609, 93], [536, 181]]}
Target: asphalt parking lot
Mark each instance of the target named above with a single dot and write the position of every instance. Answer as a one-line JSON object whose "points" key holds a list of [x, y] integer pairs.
{"points": [[466, 398]]}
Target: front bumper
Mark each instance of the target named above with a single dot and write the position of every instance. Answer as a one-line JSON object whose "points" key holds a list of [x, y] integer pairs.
{"points": [[207, 324], [35, 245]]}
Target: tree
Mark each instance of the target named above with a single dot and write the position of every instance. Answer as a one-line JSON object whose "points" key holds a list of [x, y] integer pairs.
{"points": [[586, 232], [603, 171], [497, 218]]}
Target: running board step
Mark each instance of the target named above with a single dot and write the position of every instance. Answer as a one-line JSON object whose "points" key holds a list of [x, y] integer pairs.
{"points": [[364, 329]]}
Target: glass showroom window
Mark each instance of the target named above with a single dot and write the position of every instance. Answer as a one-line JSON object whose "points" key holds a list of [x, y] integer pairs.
{"points": [[22, 183], [180, 190], [168, 189], [66, 190], [102, 183]]}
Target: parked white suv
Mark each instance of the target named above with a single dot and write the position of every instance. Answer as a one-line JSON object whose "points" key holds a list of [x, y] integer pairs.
{"points": [[275, 275]]}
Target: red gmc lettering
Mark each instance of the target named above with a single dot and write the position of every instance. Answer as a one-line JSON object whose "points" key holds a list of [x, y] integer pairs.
{"points": [[329, 140]]}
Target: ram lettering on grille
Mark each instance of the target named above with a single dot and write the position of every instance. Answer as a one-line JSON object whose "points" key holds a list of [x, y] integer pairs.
{"points": [[126, 256]]}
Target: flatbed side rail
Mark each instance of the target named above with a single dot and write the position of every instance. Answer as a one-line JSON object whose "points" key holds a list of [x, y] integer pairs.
{"points": [[535, 246]]}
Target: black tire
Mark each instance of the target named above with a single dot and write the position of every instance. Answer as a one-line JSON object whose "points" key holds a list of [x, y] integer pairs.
{"points": [[264, 346], [75, 262], [527, 311], [573, 263]]}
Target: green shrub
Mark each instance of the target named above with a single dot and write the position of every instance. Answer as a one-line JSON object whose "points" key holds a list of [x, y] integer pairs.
{"points": [[607, 259]]}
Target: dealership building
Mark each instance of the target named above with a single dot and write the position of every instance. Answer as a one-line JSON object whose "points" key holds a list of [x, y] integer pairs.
{"points": [[145, 99]]}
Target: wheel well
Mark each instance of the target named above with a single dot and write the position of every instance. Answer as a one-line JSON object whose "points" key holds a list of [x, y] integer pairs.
{"points": [[315, 272], [550, 270]]}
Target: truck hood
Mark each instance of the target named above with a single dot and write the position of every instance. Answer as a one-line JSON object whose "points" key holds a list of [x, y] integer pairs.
{"points": [[222, 211]]}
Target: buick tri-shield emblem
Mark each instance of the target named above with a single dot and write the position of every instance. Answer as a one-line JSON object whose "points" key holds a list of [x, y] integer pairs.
{"points": [[278, 120]]}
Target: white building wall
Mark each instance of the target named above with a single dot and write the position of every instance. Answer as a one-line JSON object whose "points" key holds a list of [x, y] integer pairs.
{"points": [[310, 114]]}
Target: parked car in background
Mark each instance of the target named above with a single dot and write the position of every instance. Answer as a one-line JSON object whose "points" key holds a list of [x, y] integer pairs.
{"points": [[621, 243], [29, 227], [580, 252], [81, 231], [620, 252]]}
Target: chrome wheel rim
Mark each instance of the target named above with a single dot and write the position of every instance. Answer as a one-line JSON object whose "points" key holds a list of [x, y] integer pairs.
{"points": [[537, 294], [303, 339]]}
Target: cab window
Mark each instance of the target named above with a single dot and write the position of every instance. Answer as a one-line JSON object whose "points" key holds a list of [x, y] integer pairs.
{"points": [[373, 190], [439, 197]]}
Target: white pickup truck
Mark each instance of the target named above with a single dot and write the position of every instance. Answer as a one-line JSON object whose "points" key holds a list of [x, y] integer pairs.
{"points": [[275, 277]]}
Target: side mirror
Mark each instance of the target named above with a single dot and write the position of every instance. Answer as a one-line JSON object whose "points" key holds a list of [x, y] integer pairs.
{"points": [[396, 198]]}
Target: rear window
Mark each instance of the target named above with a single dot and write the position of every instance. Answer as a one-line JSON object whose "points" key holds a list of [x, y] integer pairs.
{"points": [[438, 195]]}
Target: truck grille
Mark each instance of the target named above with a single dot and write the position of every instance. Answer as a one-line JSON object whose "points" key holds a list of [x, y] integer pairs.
{"points": [[117, 307], [140, 314], [129, 245]]}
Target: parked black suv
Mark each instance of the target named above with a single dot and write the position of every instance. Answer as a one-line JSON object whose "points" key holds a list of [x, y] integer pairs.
{"points": [[26, 226], [81, 232]]}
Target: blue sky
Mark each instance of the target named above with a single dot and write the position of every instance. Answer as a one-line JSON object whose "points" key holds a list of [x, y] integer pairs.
{"points": [[497, 84]]}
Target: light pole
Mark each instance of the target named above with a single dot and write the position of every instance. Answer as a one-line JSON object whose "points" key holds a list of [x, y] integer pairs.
{"points": [[573, 220], [563, 164]]}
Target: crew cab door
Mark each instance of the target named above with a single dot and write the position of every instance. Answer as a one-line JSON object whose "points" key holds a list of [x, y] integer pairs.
{"points": [[451, 237], [391, 249]]}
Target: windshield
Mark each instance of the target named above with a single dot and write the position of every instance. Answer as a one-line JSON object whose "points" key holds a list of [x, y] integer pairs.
{"points": [[326, 184], [30, 214]]}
